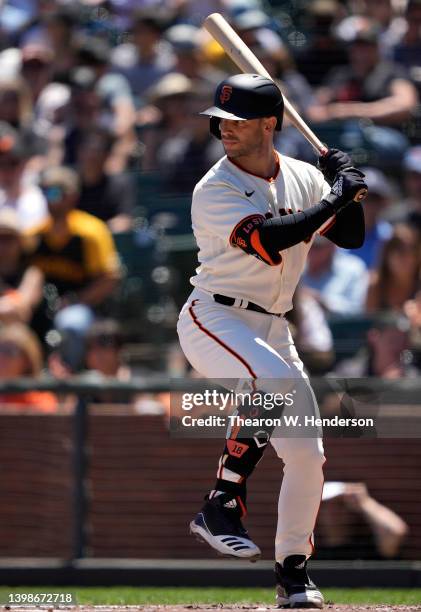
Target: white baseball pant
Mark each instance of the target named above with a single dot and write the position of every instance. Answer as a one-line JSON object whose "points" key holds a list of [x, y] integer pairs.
{"points": [[223, 342]]}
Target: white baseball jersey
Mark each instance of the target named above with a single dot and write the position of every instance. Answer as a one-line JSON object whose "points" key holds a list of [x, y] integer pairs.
{"points": [[224, 197]]}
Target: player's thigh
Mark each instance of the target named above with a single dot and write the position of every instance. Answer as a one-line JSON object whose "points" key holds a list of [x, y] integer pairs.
{"points": [[222, 342]]}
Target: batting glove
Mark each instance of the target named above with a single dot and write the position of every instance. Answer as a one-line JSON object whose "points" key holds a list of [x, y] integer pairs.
{"points": [[347, 184], [333, 162]]}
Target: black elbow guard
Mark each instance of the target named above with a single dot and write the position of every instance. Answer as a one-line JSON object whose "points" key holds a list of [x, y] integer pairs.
{"points": [[246, 236]]}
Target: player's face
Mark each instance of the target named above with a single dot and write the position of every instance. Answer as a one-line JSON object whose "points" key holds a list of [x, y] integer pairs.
{"points": [[242, 138]]}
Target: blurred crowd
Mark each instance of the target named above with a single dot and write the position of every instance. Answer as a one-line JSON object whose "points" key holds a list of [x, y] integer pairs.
{"points": [[100, 98]]}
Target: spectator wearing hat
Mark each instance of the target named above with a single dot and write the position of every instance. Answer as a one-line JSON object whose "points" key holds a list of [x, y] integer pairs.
{"points": [[187, 155], [21, 356], [337, 280], [165, 119], [20, 285], [37, 67], [16, 191], [369, 88], [76, 254], [149, 57], [377, 229], [109, 197]]}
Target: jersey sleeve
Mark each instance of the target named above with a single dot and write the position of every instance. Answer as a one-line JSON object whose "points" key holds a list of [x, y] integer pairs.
{"points": [[220, 209]]}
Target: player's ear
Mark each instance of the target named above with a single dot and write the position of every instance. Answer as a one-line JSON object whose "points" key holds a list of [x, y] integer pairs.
{"points": [[269, 124]]}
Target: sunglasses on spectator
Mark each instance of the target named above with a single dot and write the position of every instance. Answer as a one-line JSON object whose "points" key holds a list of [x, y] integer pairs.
{"points": [[52, 193], [10, 350]]}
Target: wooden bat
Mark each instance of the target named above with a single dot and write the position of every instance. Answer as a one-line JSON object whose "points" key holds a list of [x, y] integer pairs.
{"points": [[245, 59]]}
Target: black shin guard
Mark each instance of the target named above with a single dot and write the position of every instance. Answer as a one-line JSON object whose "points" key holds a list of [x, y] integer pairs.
{"points": [[244, 448]]}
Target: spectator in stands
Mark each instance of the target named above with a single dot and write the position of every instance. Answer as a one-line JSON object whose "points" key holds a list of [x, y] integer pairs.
{"points": [[370, 88], [187, 156], [377, 230], [104, 360], [412, 187], [397, 278], [338, 532], [21, 356], [337, 280], [148, 58], [321, 42], [311, 332], [387, 353], [408, 51], [37, 66], [60, 32], [278, 61], [76, 254], [110, 197], [186, 43], [16, 192], [20, 285], [112, 88], [165, 119], [84, 111], [391, 25], [104, 343], [15, 103]]}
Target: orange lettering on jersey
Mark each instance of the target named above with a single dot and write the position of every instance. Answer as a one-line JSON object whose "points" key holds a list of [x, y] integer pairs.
{"points": [[225, 94]]}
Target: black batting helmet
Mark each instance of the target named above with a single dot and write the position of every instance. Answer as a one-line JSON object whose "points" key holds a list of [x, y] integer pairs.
{"points": [[245, 96]]}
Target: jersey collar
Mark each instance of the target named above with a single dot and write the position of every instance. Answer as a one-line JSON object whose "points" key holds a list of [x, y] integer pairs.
{"points": [[269, 179]]}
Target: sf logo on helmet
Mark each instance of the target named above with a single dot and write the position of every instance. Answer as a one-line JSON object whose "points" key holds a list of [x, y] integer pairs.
{"points": [[225, 94]]}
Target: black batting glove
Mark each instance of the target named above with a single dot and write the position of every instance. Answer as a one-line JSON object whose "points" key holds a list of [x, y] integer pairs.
{"points": [[333, 162], [347, 184]]}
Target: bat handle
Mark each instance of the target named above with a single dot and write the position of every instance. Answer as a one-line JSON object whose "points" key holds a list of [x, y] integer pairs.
{"points": [[360, 195]]}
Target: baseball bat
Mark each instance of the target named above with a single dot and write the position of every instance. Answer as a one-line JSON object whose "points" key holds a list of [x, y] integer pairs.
{"points": [[245, 59]]}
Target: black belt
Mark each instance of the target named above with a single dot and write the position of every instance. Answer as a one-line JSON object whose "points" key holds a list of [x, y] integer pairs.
{"points": [[240, 303]]}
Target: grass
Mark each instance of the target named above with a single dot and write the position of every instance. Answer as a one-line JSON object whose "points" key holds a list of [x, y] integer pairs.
{"points": [[177, 595]]}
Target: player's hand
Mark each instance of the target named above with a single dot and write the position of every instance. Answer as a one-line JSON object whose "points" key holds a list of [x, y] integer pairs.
{"points": [[347, 184], [333, 162]]}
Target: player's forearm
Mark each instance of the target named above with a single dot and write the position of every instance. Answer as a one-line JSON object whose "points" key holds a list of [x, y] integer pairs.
{"points": [[286, 231], [348, 230]]}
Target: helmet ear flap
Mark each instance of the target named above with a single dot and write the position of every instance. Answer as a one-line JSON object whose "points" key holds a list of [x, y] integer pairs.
{"points": [[214, 127]]}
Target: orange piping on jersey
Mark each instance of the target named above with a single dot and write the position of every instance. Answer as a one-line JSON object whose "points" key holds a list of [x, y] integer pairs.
{"points": [[259, 216], [328, 226], [219, 341], [269, 179], [258, 247]]}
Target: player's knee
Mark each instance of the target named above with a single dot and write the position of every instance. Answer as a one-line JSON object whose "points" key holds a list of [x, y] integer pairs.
{"points": [[307, 452]]}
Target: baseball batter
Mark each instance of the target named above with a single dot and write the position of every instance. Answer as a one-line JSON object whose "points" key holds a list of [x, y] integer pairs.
{"points": [[254, 215]]}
